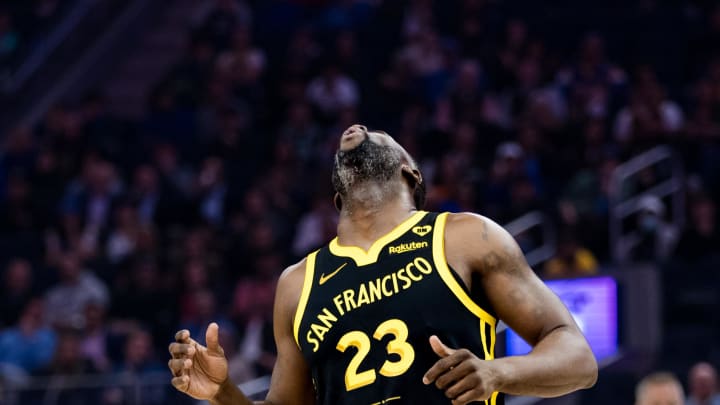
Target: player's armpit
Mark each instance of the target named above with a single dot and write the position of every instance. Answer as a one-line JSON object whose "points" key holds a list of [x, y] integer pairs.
{"points": [[561, 360], [291, 383]]}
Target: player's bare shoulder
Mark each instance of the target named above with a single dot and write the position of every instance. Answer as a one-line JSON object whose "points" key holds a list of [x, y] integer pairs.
{"points": [[289, 289], [482, 244]]}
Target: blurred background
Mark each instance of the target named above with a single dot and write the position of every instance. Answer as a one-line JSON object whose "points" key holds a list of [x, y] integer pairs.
{"points": [[161, 162]]}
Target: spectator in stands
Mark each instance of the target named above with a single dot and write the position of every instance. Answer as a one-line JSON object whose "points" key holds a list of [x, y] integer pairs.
{"points": [[650, 116], [594, 84], [138, 354], [212, 191], [507, 167], [205, 311], [20, 151], [427, 63], [332, 91], [702, 385], [122, 240], [68, 361], [17, 211], [139, 361], [252, 308], [703, 117], [655, 237], [242, 63], [29, 345], [95, 336], [77, 288], [316, 227], [146, 194], [48, 184], [220, 19], [68, 358], [300, 132], [659, 388], [701, 237], [172, 172], [144, 287], [466, 90], [16, 290], [571, 259], [302, 53], [87, 204]]}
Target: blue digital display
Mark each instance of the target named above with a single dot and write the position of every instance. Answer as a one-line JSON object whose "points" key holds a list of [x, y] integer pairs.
{"points": [[593, 304]]}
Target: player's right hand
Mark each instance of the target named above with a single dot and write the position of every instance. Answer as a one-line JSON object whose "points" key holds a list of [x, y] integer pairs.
{"points": [[197, 370]]}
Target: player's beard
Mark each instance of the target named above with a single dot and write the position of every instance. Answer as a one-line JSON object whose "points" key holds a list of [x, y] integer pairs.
{"points": [[368, 163]]}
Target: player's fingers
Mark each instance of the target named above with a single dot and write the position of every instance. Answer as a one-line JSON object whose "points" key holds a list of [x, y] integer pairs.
{"points": [[181, 383], [182, 336], [439, 347], [458, 391], [470, 396], [453, 375], [178, 366], [181, 349], [444, 364], [212, 340]]}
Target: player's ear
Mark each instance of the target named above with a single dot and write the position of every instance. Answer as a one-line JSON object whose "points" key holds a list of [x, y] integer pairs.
{"points": [[412, 175], [337, 201], [416, 183]]}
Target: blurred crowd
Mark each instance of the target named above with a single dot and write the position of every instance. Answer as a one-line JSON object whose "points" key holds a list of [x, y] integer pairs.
{"points": [[115, 233], [24, 25]]}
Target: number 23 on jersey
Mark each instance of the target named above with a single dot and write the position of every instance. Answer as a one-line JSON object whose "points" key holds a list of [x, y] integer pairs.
{"points": [[355, 379]]}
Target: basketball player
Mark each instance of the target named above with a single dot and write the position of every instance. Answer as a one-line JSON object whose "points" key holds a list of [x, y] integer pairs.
{"points": [[401, 307]]}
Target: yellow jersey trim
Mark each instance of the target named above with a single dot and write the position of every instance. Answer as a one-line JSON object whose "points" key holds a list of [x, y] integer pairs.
{"points": [[362, 257], [444, 271], [483, 337], [304, 295]]}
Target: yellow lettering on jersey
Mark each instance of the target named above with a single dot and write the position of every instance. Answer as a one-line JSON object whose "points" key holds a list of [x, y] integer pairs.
{"points": [[423, 265], [407, 247], [401, 275], [367, 293], [313, 341], [375, 290], [319, 330], [338, 304], [349, 297], [362, 296], [410, 274], [385, 290], [327, 318]]}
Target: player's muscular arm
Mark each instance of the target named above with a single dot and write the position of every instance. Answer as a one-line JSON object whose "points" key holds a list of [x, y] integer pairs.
{"points": [[291, 383], [202, 372], [560, 361]]}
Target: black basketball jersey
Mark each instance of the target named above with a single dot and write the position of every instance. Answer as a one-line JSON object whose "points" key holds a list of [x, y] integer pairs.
{"points": [[365, 317]]}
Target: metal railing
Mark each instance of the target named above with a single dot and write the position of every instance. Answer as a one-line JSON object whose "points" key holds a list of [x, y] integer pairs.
{"points": [[135, 388], [623, 206], [531, 220]]}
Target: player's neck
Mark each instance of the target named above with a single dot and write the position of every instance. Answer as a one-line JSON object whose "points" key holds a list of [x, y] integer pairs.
{"points": [[361, 224]]}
